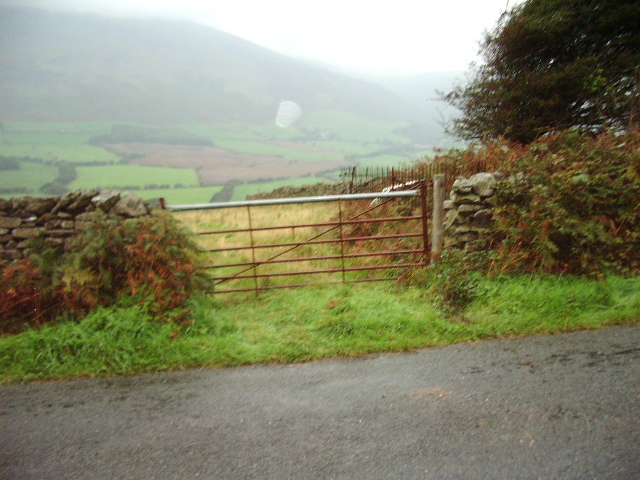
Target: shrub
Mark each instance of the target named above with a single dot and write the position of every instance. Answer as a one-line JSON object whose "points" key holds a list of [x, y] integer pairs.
{"points": [[26, 297], [454, 281], [150, 260], [570, 204], [575, 208]]}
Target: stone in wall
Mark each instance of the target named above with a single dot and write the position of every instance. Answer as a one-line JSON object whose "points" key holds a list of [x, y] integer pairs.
{"points": [[469, 213], [57, 219]]}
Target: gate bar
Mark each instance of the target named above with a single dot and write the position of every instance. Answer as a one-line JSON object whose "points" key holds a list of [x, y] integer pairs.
{"points": [[286, 201], [321, 224], [313, 272], [316, 242], [316, 259]]}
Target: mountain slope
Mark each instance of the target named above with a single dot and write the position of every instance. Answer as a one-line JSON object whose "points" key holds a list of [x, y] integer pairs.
{"points": [[68, 67]]}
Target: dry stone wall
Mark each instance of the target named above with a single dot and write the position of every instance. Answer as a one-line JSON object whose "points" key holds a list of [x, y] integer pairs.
{"points": [[57, 219], [469, 210]]}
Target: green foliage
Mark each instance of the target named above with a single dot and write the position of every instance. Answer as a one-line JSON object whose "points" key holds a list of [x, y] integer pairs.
{"points": [[312, 323], [570, 203], [573, 206], [148, 257], [454, 282], [151, 261], [553, 65]]}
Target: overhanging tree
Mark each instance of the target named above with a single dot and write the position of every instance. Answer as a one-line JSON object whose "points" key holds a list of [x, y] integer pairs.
{"points": [[551, 65]]}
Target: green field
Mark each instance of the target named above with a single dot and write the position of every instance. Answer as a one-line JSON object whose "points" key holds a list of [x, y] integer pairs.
{"points": [[180, 196], [53, 153], [131, 176], [321, 137], [382, 161], [267, 149], [55, 141], [30, 175], [345, 147], [351, 128], [266, 131], [241, 191]]}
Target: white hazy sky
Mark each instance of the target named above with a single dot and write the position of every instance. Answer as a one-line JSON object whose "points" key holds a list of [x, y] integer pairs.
{"points": [[405, 36]]}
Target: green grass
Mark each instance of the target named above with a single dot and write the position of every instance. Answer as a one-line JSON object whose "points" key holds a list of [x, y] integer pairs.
{"points": [[55, 141], [126, 176], [68, 153], [87, 128], [30, 175], [340, 133], [266, 131], [263, 148], [241, 191], [313, 323], [531, 305], [179, 196], [382, 161], [351, 128]]}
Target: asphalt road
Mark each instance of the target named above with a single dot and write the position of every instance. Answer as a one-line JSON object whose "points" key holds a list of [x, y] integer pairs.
{"points": [[561, 407]]}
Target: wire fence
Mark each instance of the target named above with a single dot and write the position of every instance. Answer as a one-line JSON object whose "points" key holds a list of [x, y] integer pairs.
{"points": [[378, 178]]}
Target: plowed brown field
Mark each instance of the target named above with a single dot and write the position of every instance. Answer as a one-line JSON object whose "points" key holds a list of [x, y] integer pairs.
{"points": [[217, 166]]}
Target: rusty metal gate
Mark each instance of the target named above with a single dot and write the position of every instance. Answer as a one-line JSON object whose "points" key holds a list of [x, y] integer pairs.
{"points": [[367, 237]]}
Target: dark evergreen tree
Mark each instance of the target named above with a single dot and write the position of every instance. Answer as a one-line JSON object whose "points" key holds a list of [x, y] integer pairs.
{"points": [[551, 65]]}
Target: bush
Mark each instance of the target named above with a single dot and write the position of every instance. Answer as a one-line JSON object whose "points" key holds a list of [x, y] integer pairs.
{"points": [[575, 209], [151, 261], [454, 281], [26, 297], [570, 203]]}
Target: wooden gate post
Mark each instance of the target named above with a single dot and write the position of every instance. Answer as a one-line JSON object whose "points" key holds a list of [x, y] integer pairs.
{"points": [[437, 240], [425, 221]]}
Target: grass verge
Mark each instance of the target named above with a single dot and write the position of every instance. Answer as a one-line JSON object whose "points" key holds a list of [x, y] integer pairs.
{"points": [[313, 323]]}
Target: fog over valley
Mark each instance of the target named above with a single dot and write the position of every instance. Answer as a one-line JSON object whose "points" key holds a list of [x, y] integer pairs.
{"points": [[190, 85]]}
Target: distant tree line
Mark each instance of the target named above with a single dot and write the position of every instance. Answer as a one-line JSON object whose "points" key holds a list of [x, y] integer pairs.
{"points": [[9, 163], [66, 174], [14, 191], [14, 159], [226, 194]]}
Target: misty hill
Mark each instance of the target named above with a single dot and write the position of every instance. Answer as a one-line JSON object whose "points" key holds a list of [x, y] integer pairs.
{"points": [[71, 67], [421, 90]]}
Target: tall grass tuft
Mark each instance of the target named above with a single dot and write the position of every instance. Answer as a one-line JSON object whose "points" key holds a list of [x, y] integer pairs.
{"points": [[112, 340]]}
